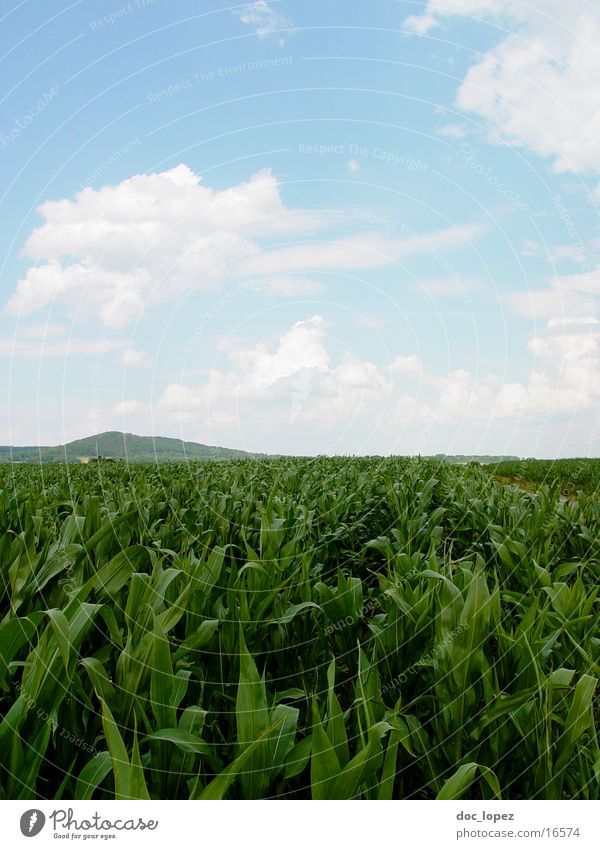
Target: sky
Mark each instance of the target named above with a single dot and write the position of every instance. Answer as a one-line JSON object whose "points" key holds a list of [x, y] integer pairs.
{"points": [[300, 227]]}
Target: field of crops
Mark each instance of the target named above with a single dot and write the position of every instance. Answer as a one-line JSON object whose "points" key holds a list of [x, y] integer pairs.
{"points": [[328, 629], [571, 475]]}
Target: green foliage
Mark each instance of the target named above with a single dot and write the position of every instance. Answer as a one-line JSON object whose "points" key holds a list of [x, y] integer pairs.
{"points": [[572, 476], [114, 445], [320, 628]]}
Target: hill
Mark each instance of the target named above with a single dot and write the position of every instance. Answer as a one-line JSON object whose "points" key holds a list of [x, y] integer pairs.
{"points": [[115, 445]]}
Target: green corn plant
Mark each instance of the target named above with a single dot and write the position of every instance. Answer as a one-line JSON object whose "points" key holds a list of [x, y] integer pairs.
{"points": [[328, 628]]}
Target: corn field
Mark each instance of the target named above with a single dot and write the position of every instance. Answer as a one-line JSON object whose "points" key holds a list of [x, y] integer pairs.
{"points": [[573, 476], [373, 628]]}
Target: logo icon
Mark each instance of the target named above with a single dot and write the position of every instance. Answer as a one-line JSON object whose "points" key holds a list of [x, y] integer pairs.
{"points": [[32, 822]]}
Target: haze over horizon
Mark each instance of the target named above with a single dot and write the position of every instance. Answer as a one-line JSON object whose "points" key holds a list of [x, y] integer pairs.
{"points": [[111, 444], [303, 228]]}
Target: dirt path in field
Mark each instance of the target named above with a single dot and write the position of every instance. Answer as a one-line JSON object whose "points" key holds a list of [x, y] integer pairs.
{"points": [[528, 486]]}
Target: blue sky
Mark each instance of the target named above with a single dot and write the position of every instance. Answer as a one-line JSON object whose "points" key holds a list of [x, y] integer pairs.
{"points": [[302, 227]]}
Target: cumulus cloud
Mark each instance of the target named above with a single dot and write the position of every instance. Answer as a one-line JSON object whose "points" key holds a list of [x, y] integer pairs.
{"points": [[147, 240], [295, 378], [539, 87], [405, 365], [128, 408], [111, 253], [296, 382], [435, 10], [564, 380], [300, 348], [265, 20], [571, 379], [420, 24]]}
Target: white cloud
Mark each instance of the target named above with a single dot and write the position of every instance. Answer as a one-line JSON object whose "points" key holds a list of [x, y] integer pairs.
{"points": [[372, 321], [544, 304], [132, 358], [73, 284], [571, 382], [532, 248], [177, 397], [570, 297], [128, 408], [573, 324], [449, 287], [46, 330], [403, 365], [420, 24], [547, 11], [452, 131], [587, 282], [539, 87], [577, 252], [291, 286], [112, 253], [571, 253], [366, 250], [461, 396], [264, 20], [302, 347], [51, 341], [291, 383], [60, 349], [564, 381], [147, 240], [296, 384]]}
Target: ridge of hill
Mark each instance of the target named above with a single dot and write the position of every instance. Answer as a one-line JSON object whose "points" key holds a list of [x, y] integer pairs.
{"points": [[114, 445]]}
